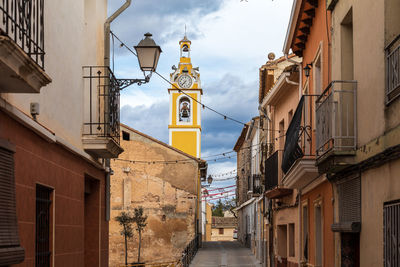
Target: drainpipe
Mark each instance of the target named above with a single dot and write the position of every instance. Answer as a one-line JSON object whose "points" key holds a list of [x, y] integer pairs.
{"points": [[107, 64], [107, 31], [300, 83], [299, 232]]}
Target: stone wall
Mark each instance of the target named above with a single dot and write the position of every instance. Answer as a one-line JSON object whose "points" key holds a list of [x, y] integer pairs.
{"points": [[167, 193]]}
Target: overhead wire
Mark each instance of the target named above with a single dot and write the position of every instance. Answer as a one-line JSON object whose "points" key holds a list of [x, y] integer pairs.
{"points": [[226, 117]]}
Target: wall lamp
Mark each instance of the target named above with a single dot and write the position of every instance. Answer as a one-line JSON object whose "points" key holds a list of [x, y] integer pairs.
{"points": [[209, 179], [307, 69], [148, 53]]}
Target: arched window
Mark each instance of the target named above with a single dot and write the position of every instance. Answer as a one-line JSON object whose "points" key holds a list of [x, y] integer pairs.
{"points": [[184, 109], [185, 51]]}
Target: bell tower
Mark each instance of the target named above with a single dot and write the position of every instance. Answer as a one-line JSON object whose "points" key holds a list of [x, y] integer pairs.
{"points": [[184, 111]]}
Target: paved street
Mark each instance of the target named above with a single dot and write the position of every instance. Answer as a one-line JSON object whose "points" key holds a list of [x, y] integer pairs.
{"points": [[224, 254]]}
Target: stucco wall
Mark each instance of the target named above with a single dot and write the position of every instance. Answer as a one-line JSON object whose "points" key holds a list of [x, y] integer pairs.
{"points": [[226, 236], [167, 194], [321, 194], [40, 162], [378, 185], [73, 37]]}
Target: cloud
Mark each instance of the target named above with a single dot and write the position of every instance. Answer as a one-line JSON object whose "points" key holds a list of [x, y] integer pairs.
{"points": [[230, 41]]}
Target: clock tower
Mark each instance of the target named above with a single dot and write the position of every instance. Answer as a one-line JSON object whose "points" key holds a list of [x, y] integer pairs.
{"points": [[184, 111]]}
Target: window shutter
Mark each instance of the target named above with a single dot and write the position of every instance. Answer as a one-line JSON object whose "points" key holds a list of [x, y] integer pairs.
{"points": [[350, 200], [10, 250]]}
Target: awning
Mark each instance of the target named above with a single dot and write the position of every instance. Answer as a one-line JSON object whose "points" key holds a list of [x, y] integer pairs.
{"points": [[245, 204]]}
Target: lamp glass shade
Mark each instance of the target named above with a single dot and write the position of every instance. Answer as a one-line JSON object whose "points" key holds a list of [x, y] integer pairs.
{"points": [[148, 53], [209, 179], [307, 70]]}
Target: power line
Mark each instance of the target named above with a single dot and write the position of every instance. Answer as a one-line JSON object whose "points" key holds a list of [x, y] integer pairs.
{"points": [[226, 117]]}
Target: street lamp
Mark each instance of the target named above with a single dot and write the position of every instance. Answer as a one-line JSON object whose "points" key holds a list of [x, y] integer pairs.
{"points": [[209, 179], [148, 53], [307, 69]]}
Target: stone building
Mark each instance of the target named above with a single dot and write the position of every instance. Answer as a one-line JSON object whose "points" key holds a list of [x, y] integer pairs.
{"points": [[222, 228], [165, 182]]}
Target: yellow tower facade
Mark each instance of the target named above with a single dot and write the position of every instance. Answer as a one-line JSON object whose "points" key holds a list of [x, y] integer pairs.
{"points": [[184, 97]]}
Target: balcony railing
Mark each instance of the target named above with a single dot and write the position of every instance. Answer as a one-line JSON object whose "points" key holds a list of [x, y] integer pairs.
{"points": [[300, 138], [336, 111], [257, 189], [392, 52], [22, 21], [102, 117], [271, 172]]}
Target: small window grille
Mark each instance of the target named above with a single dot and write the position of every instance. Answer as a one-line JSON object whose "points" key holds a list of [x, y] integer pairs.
{"points": [[391, 221], [43, 221], [221, 231]]}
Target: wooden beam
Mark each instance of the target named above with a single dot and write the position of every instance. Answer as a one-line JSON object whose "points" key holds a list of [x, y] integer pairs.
{"points": [[310, 12], [305, 30]]}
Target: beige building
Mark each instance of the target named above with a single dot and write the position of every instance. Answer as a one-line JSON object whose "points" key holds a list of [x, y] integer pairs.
{"points": [[222, 228], [364, 165], [165, 182], [53, 185]]}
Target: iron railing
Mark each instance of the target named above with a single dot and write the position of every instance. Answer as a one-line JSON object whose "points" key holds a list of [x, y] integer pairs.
{"points": [[190, 251], [336, 118], [300, 138], [43, 221], [257, 189], [102, 115], [271, 171], [23, 22], [392, 52]]}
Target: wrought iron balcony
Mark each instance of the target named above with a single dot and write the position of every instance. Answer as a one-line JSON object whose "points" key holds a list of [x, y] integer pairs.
{"points": [[271, 172], [298, 161], [272, 183], [392, 52], [22, 21], [257, 189], [336, 119], [300, 140], [101, 132], [22, 46]]}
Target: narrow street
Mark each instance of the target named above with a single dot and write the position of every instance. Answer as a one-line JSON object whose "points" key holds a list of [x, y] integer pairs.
{"points": [[224, 253]]}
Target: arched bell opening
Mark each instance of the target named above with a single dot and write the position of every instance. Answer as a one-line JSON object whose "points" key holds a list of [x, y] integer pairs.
{"points": [[184, 109]]}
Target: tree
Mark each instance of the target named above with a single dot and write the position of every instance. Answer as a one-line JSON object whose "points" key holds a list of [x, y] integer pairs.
{"points": [[218, 209], [141, 223], [125, 220]]}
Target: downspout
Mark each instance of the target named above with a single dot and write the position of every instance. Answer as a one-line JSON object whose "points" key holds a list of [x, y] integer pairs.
{"points": [[107, 64], [299, 232], [107, 31], [300, 83]]}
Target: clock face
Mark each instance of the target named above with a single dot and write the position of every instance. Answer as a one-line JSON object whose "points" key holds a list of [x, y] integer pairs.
{"points": [[185, 81]]}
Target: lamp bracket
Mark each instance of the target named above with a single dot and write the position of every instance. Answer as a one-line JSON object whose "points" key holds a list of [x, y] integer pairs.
{"points": [[123, 83]]}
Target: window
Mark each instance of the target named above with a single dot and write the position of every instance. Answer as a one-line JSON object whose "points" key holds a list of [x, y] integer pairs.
{"points": [[125, 136], [304, 233], [318, 234], [317, 74], [291, 240], [282, 240], [221, 231], [281, 134], [11, 252], [346, 39], [391, 236], [290, 115], [43, 222]]}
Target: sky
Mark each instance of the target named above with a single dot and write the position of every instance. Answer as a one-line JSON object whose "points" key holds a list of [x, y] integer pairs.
{"points": [[230, 42]]}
